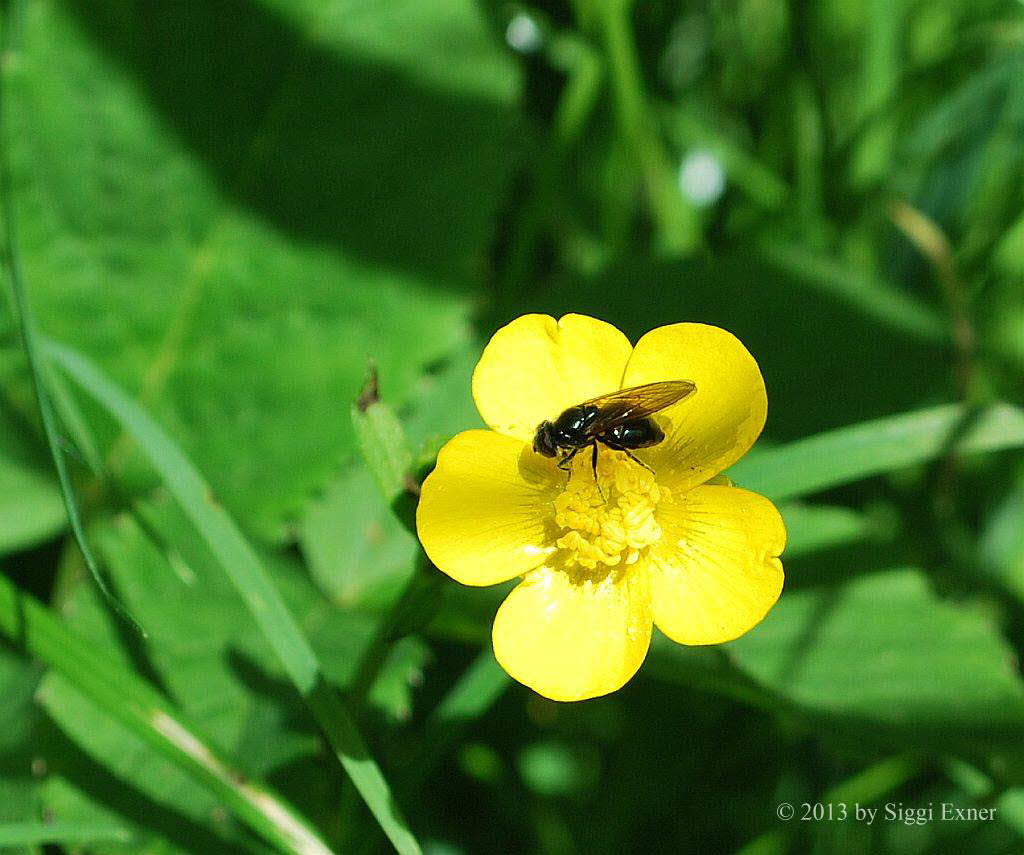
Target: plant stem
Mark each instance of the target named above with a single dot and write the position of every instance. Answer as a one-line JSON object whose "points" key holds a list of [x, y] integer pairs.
{"points": [[678, 227]]}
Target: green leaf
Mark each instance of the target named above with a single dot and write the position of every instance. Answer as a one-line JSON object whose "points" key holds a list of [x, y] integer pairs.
{"points": [[814, 528], [848, 454], [242, 565], [19, 790], [358, 551], [881, 301], [10, 47], [202, 639], [382, 442], [62, 833], [121, 749], [239, 261], [31, 507], [884, 650], [206, 649], [90, 677], [1001, 540]]}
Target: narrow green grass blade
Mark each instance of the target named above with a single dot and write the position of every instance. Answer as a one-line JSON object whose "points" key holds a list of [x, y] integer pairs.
{"points": [[62, 833], [880, 300], [851, 453], [247, 573], [127, 699], [678, 224], [29, 334]]}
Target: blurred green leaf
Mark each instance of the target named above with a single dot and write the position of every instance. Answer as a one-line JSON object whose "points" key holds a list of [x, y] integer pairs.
{"points": [[359, 553], [19, 791], [859, 451], [77, 792], [31, 508], [1009, 803], [243, 250], [554, 769], [1001, 539], [62, 833], [886, 651], [476, 690], [400, 675], [813, 528], [881, 300]]}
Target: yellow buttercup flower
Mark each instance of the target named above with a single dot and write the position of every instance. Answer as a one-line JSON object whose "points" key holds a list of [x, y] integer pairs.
{"points": [[603, 561]]}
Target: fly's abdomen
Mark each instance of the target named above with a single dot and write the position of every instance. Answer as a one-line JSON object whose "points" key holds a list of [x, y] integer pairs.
{"points": [[641, 433]]}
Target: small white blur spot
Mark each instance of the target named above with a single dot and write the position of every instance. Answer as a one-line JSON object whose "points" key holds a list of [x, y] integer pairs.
{"points": [[702, 178], [523, 34]]}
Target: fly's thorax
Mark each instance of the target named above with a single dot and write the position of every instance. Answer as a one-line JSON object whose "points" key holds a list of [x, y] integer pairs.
{"points": [[609, 522], [573, 424]]}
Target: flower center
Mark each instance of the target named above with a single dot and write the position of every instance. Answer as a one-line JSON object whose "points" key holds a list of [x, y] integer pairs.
{"points": [[613, 528]]}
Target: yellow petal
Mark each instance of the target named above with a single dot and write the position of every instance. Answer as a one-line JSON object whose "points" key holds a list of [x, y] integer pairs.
{"points": [[716, 425], [534, 368], [569, 638], [716, 572], [485, 513]]}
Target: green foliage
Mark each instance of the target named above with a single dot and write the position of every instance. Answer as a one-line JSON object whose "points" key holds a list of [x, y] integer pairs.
{"points": [[227, 212], [884, 649], [31, 510], [235, 259]]}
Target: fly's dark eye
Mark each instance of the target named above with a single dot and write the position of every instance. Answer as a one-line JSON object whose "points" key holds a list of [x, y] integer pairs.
{"points": [[543, 441]]}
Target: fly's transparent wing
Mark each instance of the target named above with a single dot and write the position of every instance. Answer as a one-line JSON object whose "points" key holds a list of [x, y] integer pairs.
{"points": [[637, 402]]}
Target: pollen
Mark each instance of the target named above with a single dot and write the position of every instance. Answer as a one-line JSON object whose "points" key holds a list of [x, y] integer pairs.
{"points": [[609, 521]]}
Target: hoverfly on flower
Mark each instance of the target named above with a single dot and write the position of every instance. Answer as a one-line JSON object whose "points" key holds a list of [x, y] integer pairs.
{"points": [[647, 533], [619, 420]]}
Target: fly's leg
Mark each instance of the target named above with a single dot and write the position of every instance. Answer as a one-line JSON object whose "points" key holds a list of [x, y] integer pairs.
{"points": [[593, 465], [629, 454], [565, 464], [636, 459]]}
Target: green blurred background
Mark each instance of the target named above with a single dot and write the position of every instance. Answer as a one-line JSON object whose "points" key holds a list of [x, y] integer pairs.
{"points": [[233, 207]]}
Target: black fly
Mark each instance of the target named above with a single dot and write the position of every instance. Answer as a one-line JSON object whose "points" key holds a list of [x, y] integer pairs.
{"points": [[619, 420]]}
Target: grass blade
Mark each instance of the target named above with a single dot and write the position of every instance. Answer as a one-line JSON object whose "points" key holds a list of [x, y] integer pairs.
{"points": [[859, 451], [62, 833], [26, 323], [133, 703], [248, 575], [877, 299]]}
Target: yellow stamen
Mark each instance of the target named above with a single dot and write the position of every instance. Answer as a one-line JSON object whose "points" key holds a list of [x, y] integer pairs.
{"points": [[613, 529]]}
